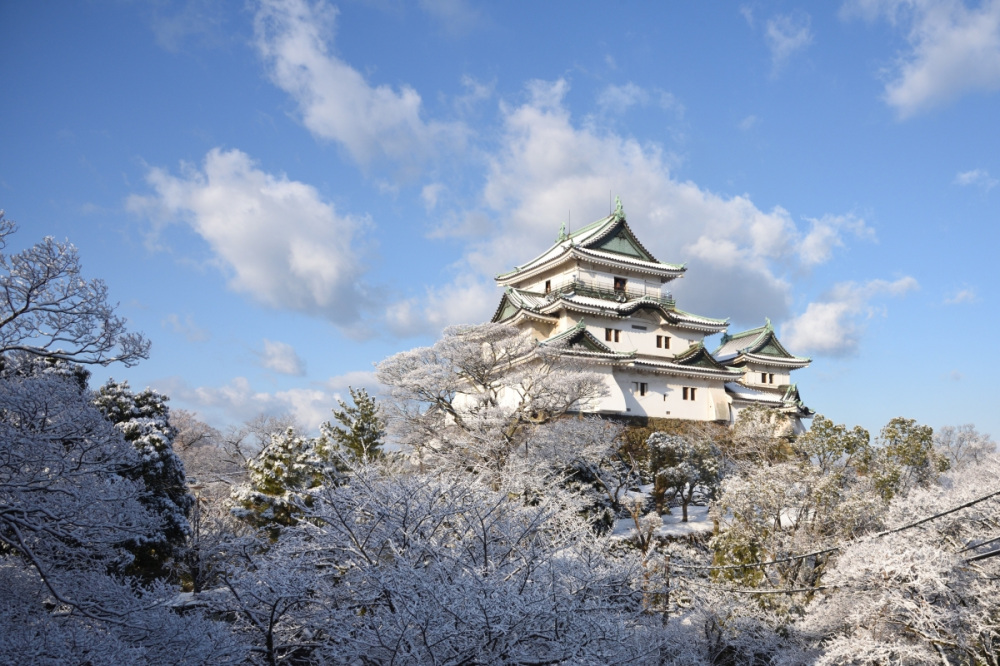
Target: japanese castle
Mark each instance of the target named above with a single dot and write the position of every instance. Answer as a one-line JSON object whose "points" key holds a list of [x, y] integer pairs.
{"points": [[601, 295]]}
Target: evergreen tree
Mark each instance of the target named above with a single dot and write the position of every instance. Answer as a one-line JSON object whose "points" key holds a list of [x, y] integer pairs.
{"points": [[144, 420], [359, 435], [278, 478]]}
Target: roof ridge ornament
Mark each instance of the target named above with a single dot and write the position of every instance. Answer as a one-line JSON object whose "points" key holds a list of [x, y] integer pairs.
{"points": [[619, 213], [562, 233]]}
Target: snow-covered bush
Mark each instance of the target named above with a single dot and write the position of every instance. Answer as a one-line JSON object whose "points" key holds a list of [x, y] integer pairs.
{"points": [[440, 568]]}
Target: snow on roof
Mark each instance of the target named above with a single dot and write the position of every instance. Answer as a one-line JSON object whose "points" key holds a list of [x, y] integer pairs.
{"points": [[591, 242], [748, 394], [760, 344]]}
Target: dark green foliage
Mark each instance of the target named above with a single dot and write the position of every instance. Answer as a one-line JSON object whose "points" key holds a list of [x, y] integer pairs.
{"points": [[359, 435], [144, 420]]}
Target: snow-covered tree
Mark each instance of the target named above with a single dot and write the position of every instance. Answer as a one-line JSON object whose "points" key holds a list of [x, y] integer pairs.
{"points": [[818, 498], [682, 465], [480, 389], [48, 309], [144, 420], [904, 457], [963, 445], [361, 431], [440, 568], [279, 477], [66, 510], [922, 595], [760, 436]]}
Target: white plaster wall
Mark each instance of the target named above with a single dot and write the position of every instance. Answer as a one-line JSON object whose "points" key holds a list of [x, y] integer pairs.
{"points": [[665, 396], [781, 375], [643, 342]]}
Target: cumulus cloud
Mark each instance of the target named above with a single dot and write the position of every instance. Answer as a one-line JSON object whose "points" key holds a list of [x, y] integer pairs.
{"points": [[275, 238], [185, 326], [469, 299], [547, 165], [953, 50], [827, 232], [833, 325], [787, 34], [282, 358], [238, 401], [961, 296], [976, 177], [335, 101]]}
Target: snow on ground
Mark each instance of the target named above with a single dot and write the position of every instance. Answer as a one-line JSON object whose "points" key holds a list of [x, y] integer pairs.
{"points": [[698, 523]]}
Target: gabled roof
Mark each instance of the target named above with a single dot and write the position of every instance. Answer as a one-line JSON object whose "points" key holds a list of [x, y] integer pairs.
{"points": [[758, 345], [788, 402], [697, 355], [521, 302], [695, 362], [579, 338], [609, 241]]}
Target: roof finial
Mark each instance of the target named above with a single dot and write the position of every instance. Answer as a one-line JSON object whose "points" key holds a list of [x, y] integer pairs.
{"points": [[619, 211], [562, 233], [767, 324]]}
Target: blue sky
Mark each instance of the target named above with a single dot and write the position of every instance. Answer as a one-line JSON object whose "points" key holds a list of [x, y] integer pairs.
{"points": [[281, 193]]}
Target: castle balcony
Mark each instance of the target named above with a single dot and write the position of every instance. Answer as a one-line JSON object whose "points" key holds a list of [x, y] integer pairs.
{"points": [[594, 289]]}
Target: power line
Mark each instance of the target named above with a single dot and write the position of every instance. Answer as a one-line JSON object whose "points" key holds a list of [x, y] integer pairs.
{"points": [[734, 590], [792, 558], [979, 545]]}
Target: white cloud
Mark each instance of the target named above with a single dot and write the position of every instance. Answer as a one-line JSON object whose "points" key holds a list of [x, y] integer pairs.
{"points": [[430, 193], [962, 296], [335, 101], [281, 358], [785, 35], [238, 401], [469, 299], [749, 122], [977, 177], [548, 165], [826, 233], [953, 50], [619, 99], [186, 327], [355, 379], [475, 92], [833, 326], [277, 240]]}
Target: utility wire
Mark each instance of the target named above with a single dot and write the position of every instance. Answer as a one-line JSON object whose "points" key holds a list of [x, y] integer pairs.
{"points": [[792, 558], [734, 590], [992, 553], [979, 545]]}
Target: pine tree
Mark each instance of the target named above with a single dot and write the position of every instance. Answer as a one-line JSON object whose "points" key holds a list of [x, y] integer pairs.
{"points": [[359, 435], [278, 478], [144, 420]]}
